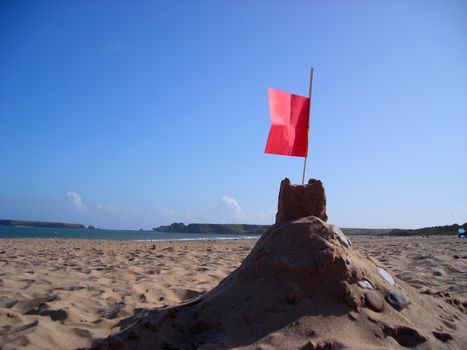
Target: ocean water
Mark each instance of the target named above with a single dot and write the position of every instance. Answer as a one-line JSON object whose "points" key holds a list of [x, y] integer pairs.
{"points": [[43, 232]]}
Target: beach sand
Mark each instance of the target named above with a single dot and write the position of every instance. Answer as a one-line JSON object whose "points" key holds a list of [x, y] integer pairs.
{"points": [[64, 294]]}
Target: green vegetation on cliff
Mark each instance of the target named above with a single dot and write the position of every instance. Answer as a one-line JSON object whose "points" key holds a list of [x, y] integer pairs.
{"points": [[38, 224], [427, 231], [243, 229], [236, 229], [366, 231]]}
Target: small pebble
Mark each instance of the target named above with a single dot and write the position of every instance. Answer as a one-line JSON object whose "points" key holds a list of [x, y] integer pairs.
{"points": [[398, 300], [341, 236], [386, 276], [374, 301], [365, 284], [354, 315]]}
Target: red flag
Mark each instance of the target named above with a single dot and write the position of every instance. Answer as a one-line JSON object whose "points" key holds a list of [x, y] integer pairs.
{"points": [[289, 124]]}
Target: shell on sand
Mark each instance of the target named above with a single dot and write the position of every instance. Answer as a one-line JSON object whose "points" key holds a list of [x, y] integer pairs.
{"points": [[295, 290]]}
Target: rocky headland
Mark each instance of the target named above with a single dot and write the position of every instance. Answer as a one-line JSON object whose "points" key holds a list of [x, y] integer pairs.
{"points": [[39, 224]]}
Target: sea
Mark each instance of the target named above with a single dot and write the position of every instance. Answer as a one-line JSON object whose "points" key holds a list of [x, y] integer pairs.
{"points": [[127, 235]]}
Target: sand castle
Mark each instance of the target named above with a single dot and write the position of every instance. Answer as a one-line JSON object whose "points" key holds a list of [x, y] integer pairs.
{"points": [[303, 286]]}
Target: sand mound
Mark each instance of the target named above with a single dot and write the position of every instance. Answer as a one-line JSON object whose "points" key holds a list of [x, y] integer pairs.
{"points": [[303, 286]]}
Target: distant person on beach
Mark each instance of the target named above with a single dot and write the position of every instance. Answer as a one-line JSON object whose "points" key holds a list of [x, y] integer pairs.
{"points": [[461, 232]]}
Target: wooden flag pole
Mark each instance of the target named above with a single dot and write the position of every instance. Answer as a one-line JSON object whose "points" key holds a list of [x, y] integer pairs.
{"points": [[309, 117]]}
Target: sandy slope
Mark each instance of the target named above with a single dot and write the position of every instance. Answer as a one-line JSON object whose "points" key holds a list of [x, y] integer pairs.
{"points": [[64, 293]]}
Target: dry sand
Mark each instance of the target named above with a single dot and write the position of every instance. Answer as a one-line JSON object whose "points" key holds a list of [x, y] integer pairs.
{"points": [[64, 294]]}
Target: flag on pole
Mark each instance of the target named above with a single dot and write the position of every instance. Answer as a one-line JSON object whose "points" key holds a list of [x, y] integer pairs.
{"points": [[289, 124]]}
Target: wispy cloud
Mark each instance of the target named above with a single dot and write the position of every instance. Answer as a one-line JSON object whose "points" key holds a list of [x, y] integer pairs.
{"points": [[112, 209], [75, 200], [232, 206], [164, 211], [228, 210], [116, 47]]}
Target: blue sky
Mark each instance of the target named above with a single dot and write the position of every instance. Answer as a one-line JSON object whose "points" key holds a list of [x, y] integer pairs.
{"points": [[127, 115]]}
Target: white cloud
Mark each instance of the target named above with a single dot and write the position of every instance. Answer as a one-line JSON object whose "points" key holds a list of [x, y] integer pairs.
{"points": [[229, 211], [112, 209], [75, 200], [232, 204]]}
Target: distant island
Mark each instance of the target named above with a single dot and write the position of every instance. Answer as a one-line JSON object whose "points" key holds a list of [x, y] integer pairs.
{"points": [[245, 229], [39, 224]]}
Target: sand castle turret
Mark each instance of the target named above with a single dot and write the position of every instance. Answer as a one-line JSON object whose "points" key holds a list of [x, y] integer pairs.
{"points": [[303, 286], [298, 201]]}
